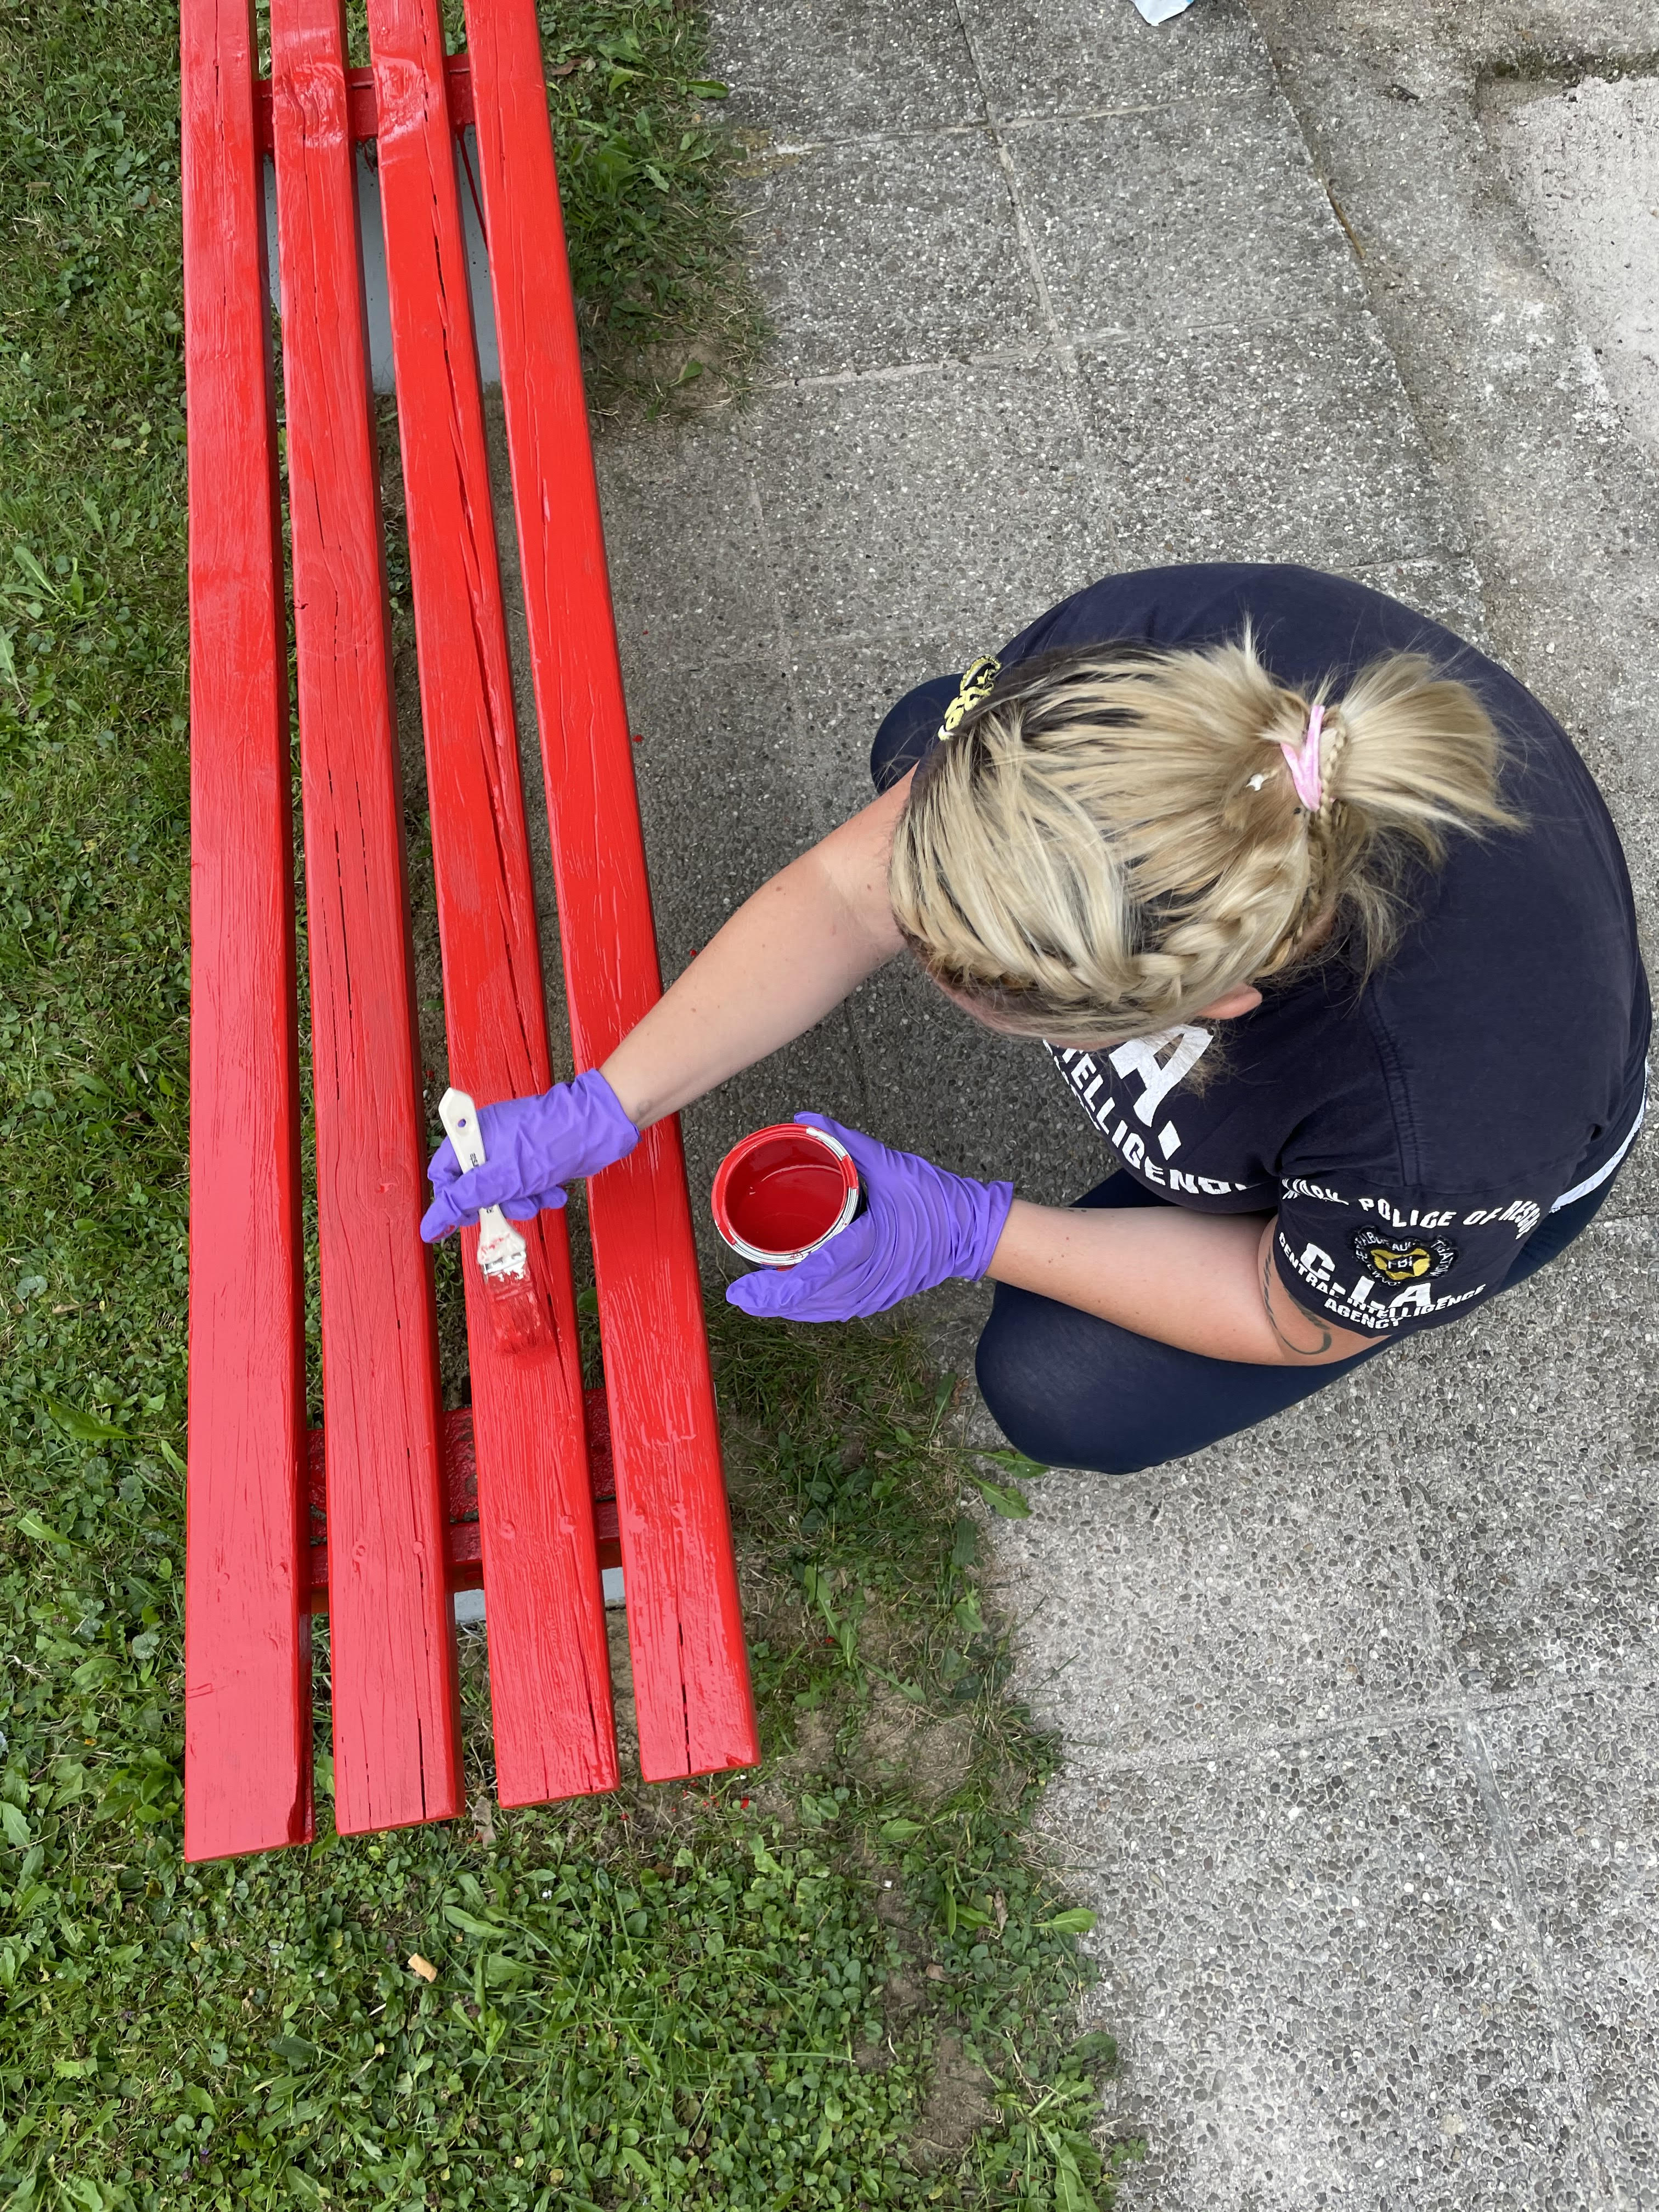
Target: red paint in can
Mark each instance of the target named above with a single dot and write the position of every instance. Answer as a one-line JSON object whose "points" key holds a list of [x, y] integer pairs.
{"points": [[782, 1192]]}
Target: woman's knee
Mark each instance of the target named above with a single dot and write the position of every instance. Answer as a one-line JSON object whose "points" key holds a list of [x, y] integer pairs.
{"points": [[1047, 1407]]}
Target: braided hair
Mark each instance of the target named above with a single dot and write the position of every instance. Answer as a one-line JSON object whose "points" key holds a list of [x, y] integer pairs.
{"points": [[1109, 840]]}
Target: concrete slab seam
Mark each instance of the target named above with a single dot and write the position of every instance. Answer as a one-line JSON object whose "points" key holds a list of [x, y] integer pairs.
{"points": [[1465, 1709], [771, 567], [1024, 230], [1066, 351], [1453, 1710], [801, 745], [1639, 1216], [906, 372], [827, 642], [1571, 2056], [790, 149], [1092, 340]]}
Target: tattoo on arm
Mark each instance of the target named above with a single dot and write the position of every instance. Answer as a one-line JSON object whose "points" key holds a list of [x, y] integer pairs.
{"points": [[1326, 1336]]}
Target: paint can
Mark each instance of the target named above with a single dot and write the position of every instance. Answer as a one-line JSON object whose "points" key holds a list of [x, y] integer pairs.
{"points": [[783, 1191]]}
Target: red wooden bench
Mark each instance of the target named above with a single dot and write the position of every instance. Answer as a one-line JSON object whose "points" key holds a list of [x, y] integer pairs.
{"points": [[392, 1557]]}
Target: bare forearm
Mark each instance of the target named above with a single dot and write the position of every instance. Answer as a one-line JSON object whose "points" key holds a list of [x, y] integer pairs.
{"points": [[1203, 1282], [786, 956]]}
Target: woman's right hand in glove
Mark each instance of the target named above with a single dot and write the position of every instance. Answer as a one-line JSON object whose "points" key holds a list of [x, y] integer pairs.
{"points": [[533, 1148]]}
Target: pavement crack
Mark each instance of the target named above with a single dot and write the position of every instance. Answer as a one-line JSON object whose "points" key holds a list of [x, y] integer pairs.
{"points": [[1534, 1943]]}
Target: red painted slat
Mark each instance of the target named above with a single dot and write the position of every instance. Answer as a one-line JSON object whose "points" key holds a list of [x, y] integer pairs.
{"points": [[685, 1629], [550, 1679], [395, 1716], [247, 1721]]}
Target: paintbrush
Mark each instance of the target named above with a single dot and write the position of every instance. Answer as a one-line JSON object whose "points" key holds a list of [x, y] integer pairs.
{"points": [[517, 1316]]}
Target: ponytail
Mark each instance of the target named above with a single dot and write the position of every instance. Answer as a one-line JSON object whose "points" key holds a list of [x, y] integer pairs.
{"points": [[1112, 840]]}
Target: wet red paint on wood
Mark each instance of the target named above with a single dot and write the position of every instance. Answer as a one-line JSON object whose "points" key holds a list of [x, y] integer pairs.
{"points": [[550, 1683], [685, 1629], [416, 1506], [247, 1719], [395, 1709]]}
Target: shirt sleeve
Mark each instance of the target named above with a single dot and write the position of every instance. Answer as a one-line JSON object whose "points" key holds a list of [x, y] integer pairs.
{"points": [[1383, 1263]]}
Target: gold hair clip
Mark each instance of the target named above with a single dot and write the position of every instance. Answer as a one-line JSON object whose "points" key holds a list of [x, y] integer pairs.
{"points": [[977, 684]]}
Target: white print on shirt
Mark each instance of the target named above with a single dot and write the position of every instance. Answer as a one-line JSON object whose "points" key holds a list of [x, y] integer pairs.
{"points": [[1159, 1077], [1099, 1095], [1318, 1269], [1523, 1214], [1300, 1189]]}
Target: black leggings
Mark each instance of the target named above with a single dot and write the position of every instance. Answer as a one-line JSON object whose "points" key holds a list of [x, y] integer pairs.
{"points": [[1075, 1391]]}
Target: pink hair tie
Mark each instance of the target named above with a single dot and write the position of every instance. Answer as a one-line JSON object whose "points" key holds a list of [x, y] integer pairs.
{"points": [[1303, 761]]}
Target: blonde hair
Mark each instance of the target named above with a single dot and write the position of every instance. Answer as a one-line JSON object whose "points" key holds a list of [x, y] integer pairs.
{"points": [[1111, 841]]}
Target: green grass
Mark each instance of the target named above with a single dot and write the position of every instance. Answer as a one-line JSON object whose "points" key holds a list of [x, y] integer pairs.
{"points": [[845, 1979], [651, 231], [841, 1980]]}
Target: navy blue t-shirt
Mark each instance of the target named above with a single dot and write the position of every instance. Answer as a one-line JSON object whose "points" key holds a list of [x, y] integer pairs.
{"points": [[1411, 1134]]}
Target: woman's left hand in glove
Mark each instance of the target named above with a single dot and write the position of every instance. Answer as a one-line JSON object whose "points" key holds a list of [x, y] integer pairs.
{"points": [[920, 1227]]}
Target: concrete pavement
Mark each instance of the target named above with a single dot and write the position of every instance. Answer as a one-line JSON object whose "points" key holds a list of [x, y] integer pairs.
{"points": [[1360, 1711]]}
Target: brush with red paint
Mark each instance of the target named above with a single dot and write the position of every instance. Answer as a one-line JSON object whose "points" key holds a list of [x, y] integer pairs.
{"points": [[516, 1314]]}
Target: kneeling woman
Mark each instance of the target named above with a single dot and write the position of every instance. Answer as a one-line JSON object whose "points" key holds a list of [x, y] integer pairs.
{"points": [[1327, 929]]}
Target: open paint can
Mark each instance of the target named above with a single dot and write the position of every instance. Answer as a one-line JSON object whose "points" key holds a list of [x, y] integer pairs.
{"points": [[784, 1191]]}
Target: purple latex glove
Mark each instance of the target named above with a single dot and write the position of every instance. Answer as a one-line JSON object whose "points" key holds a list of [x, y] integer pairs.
{"points": [[532, 1148], [920, 1227]]}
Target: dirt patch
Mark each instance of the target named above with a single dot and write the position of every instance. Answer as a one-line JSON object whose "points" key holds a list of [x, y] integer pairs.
{"points": [[958, 2105], [933, 1755], [814, 1743]]}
